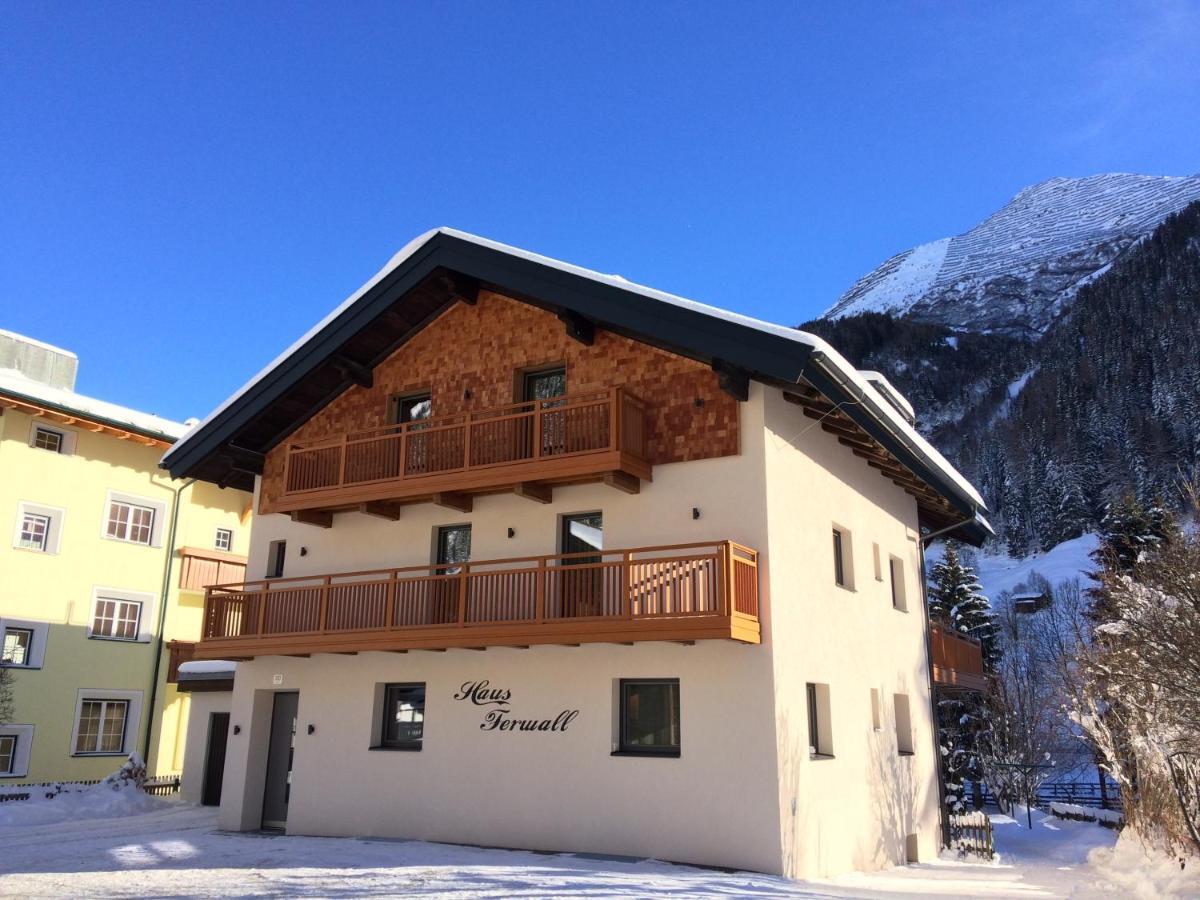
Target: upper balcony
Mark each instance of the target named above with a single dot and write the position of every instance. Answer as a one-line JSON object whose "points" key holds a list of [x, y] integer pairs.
{"points": [[957, 660], [682, 593], [200, 567], [524, 447]]}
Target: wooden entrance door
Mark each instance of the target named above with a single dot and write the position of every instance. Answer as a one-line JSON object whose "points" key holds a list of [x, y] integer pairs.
{"points": [[214, 759]]}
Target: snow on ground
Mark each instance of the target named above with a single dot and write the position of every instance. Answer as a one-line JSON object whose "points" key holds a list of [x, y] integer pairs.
{"points": [[1000, 572], [177, 851]]}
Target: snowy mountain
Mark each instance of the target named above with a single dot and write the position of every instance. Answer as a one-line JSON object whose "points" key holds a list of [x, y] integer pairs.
{"points": [[1018, 269]]}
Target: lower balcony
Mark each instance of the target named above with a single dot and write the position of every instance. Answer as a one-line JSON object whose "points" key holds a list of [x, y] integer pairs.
{"points": [[957, 661], [675, 593]]}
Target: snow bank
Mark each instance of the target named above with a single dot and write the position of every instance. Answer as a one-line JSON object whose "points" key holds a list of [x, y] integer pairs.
{"points": [[1145, 872], [118, 795], [207, 666], [1086, 813]]}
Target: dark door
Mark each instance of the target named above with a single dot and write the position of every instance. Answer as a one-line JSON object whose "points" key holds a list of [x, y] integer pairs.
{"points": [[412, 411], [280, 754], [582, 592], [214, 760], [539, 389], [453, 550]]}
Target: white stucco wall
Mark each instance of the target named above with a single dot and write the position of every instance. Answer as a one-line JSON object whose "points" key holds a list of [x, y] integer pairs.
{"points": [[195, 751], [851, 812]]}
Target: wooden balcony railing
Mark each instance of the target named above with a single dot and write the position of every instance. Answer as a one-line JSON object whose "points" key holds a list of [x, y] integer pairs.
{"points": [[181, 652], [198, 568], [684, 592], [957, 660], [544, 438]]}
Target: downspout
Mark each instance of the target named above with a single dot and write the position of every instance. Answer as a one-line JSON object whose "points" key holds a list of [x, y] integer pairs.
{"points": [[943, 813], [162, 613]]}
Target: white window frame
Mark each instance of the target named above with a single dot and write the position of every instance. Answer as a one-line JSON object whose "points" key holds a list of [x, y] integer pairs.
{"points": [[876, 720], [824, 719], [133, 717], [904, 734], [145, 628], [847, 561], [68, 437], [157, 507], [228, 533], [37, 645], [24, 749], [896, 579], [55, 514]]}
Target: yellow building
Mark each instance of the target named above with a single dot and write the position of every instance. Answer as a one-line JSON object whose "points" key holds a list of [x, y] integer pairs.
{"points": [[99, 542]]}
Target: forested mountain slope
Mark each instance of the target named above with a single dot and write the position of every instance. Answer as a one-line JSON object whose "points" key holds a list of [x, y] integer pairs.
{"points": [[1053, 425]]}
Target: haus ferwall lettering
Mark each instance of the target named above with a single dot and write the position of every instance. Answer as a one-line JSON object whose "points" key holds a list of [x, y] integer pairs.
{"points": [[498, 715], [467, 360]]}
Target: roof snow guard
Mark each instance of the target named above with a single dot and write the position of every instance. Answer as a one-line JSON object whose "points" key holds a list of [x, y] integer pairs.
{"points": [[444, 266]]}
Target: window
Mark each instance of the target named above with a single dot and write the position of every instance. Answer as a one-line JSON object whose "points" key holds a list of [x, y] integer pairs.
{"points": [[8, 754], [875, 559], [100, 727], [38, 528], [410, 408], [649, 719], [904, 740], [875, 709], [544, 384], [453, 548], [34, 533], [403, 716], [843, 558], [896, 573], [116, 619], [18, 646], [47, 439], [224, 539], [276, 553], [820, 735], [127, 522]]}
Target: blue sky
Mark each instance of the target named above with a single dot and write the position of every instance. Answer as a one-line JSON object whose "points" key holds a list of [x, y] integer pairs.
{"points": [[186, 188]]}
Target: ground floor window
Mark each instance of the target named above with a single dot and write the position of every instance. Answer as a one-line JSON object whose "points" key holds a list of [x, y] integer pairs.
{"points": [[18, 642], [403, 716], [101, 726], [649, 716], [8, 754]]}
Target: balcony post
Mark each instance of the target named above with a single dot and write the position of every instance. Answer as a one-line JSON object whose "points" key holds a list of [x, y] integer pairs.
{"points": [[389, 604], [615, 400], [263, 596], [206, 627], [627, 581], [462, 594], [323, 616], [539, 592], [403, 451], [728, 579], [537, 429]]}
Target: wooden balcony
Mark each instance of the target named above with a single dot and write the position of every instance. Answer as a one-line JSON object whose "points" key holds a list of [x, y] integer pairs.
{"points": [[198, 568], [957, 661], [524, 447], [685, 592]]}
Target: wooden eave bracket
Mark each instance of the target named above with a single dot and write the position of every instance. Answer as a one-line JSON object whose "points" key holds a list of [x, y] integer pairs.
{"points": [[453, 500], [623, 481], [353, 370], [380, 510], [579, 328], [534, 490], [732, 380], [461, 288], [319, 517]]}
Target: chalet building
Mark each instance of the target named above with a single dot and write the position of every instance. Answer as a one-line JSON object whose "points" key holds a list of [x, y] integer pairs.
{"points": [[545, 559]]}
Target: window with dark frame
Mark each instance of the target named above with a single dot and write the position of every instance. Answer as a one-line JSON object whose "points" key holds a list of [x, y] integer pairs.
{"points": [[45, 439], [276, 553], [892, 575], [8, 753], [649, 716], [406, 408], [224, 539], [403, 725], [18, 642], [814, 722], [839, 563], [35, 532], [453, 548]]}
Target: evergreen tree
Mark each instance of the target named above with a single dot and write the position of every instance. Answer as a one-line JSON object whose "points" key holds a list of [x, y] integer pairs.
{"points": [[1129, 530], [957, 602]]}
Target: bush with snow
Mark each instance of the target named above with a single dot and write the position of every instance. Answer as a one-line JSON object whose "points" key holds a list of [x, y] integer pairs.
{"points": [[119, 794]]}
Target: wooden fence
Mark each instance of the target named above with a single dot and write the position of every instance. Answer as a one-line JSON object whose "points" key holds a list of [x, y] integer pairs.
{"points": [[972, 833], [158, 787]]}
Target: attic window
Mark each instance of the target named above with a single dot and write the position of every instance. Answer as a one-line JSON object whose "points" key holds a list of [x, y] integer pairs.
{"points": [[45, 439]]}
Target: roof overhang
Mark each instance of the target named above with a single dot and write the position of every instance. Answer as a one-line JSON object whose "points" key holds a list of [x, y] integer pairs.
{"points": [[445, 266], [64, 415]]}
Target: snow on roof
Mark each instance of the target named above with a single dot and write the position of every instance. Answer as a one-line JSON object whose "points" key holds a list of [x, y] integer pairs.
{"points": [[843, 371], [208, 667], [880, 382], [17, 385], [25, 339]]}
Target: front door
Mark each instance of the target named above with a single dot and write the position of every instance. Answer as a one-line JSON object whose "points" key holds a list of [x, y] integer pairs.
{"points": [[582, 580], [214, 760], [453, 551], [279, 760], [539, 388]]}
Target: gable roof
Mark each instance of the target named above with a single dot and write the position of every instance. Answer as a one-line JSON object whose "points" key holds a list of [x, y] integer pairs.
{"points": [[432, 271]]}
